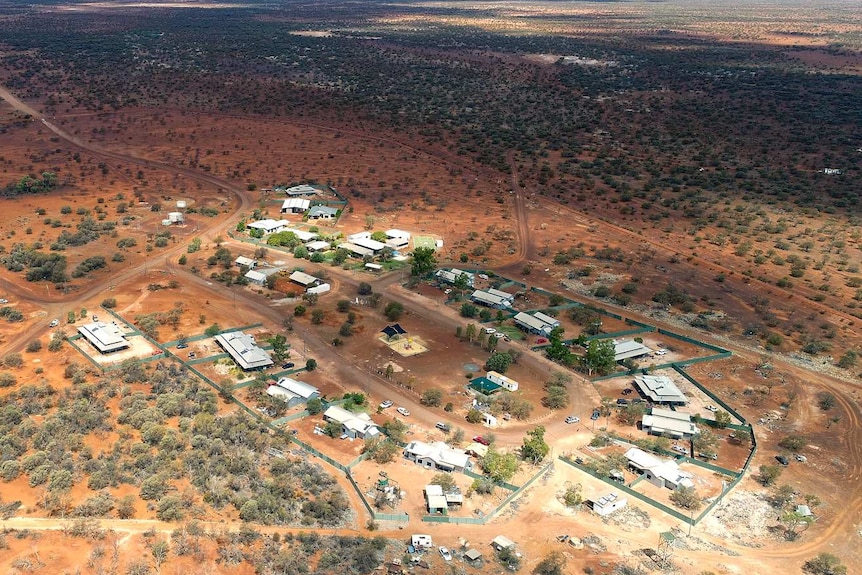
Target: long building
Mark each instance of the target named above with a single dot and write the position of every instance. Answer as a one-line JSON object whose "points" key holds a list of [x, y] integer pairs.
{"points": [[669, 423], [105, 337], [660, 389], [244, 350]]}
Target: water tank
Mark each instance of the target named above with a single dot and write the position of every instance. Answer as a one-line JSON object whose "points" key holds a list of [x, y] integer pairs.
{"points": [[181, 204]]}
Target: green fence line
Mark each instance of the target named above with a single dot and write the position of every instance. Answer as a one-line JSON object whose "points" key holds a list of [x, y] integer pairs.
{"points": [[391, 517], [704, 359], [362, 457], [453, 520], [288, 418], [359, 492], [692, 340], [512, 496], [207, 359], [711, 467], [503, 484], [709, 394], [615, 334], [646, 326], [204, 336], [70, 341], [639, 496]]}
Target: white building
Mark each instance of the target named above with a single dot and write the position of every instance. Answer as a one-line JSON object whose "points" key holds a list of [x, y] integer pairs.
{"points": [[533, 324], [255, 277], [437, 455], [105, 337], [317, 246], [501, 542], [669, 423], [322, 213], [629, 349], [607, 504], [244, 350], [500, 379], [363, 235], [356, 425], [244, 261], [293, 392], [659, 472], [319, 289], [368, 244], [176, 217], [301, 235], [301, 190], [660, 389], [490, 300], [269, 226], [295, 205], [451, 276], [303, 279], [420, 541]]}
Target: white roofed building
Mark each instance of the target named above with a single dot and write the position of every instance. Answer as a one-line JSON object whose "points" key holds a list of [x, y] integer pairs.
{"points": [[293, 392], [295, 205], [669, 423], [105, 337], [244, 261], [660, 389], [451, 276], [322, 212], [369, 244], [317, 246], [356, 425], [532, 324], [303, 279], [659, 472], [607, 504], [269, 226], [256, 277], [301, 190], [437, 455], [244, 350], [629, 349], [490, 300]]}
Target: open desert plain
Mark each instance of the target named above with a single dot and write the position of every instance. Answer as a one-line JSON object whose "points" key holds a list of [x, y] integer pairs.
{"points": [[446, 287]]}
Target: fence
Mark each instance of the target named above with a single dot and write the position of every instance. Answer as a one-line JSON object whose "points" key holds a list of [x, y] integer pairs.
{"points": [[691, 340], [708, 393]]}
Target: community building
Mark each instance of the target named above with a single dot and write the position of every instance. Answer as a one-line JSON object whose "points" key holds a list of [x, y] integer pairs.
{"points": [[255, 277], [105, 337], [295, 205], [660, 389], [451, 276], [489, 299], [534, 324], [269, 226], [354, 425], [659, 472], [397, 239], [437, 455], [300, 190], [629, 349], [669, 423], [293, 392], [244, 350], [322, 213]]}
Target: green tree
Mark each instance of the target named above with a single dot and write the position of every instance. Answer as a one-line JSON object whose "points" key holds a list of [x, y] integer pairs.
{"points": [[534, 448], [311, 365], [212, 330], [469, 310], [393, 311], [599, 357], [686, 497], [474, 416], [554, 563], [824, 564], [432, 397], [423, 262], [280, 347], [500, 467], [498, 362], [793, 442], [722, 419], [314, 406], [769, 474]]}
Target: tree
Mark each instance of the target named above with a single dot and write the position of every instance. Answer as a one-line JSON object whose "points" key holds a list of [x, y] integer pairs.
{"points": [[432, 397], [444, 480], [769, 474], [381, 449], [534, 448], [317, 316], [498, 362], [599, 357], [705, 440], [825, 400], [848, 360], [469, 310], [686, 497], [722, 419], [554, 563], [279, 347], [311, 364], [498, 466], [212, 330], [573, 497], [475, 416], [393, 311], [423, 262], [824, 564], [364, 288], [395, 429], [632, 413], [314, 406], [557, 350], [793, 443]]}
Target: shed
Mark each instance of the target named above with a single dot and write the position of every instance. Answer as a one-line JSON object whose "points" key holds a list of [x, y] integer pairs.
{"points": [[472, 556], [500, 542], [319, 289], [176, 217], [255, 277], [303, 278], [295, 205], [508, 383], [317, 246], [244, 261], [609, 503]]}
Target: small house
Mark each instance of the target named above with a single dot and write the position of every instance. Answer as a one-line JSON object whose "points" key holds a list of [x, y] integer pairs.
{"points": [[303, 279], [301, 235], [607, 504], [629, 349], [255, 277], [660, 389], [295, 205], [669, 423], [437, 455], [244, 350], [659, 472], [243, 261], [500, 542], [268, 226], [322, 213], [293, 392], [317, 246], [355, 425]]}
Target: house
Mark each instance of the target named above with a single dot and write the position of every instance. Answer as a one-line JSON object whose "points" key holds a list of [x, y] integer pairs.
{"points": [[255, 277], [363, 235], [451, 276], [295, 205], [437, 455], [317, 246], [629, 349], [397, 239], [420, 541], [243, 350], [607, 504], [506, 383], [659, 472], [355, 425], [500, 542], [439, 502], [660, 389], [322, 213], [269, 226], [302, 235], [244, 261], [105, 337], [669, 423], [303, 279], [293, 392], [355, 250], [319, 289], [301, 190], [369, 244], [532, 324], [490, 300]]}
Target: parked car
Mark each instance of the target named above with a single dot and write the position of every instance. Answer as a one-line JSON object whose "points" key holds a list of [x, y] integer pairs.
{"points": [[661, 352], [573, 419], [488, 330], [595, 415], [622, 401], [4, 300], [483, 276], [54, 322], [679, 448], [182, 345], [386, 404], [627, 391], [711, 408], [447, 291], [541, 340], [403, 411], [288, 365], [445, 554], [192, 355], [506, 338], [482, 440], [712, 456], [800, 457], [444, 427], [782, 460]]}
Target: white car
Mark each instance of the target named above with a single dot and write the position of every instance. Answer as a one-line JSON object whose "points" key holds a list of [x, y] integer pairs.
{"points": [[711, 408], [661, 352], [4, 300], [483, 276], [386, 404], [55, 322], [446, 554], [447, 291], [489, 330], [403, 411]]}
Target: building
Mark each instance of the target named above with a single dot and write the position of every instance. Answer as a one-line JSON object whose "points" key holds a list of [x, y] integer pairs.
{"points": [[243, 350], [302, 235], [477, 449], [439, 502], [255, 277], [420, 541], [317, 246], [659, 472], [303, 279], [355, 425], [300, 190], [369, 244], [244, 261], [472, 556], [502, 294], [488, 299], [322, 213], [506, 383], [669, 423], [437, 455], [319, 289], [105, 337], [293, 392], [363, 235], [607, 504], [451, 276], [373, 267], [176, 217], [397, 239], [551, 321], [629, 349], [660, 389], [269, 226], [355, 250], [484, 385], [295, 205], [500, 542], [533, 324]]}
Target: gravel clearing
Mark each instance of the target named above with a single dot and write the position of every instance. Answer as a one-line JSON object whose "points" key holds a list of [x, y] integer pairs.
{"points": [[742, 518]]}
